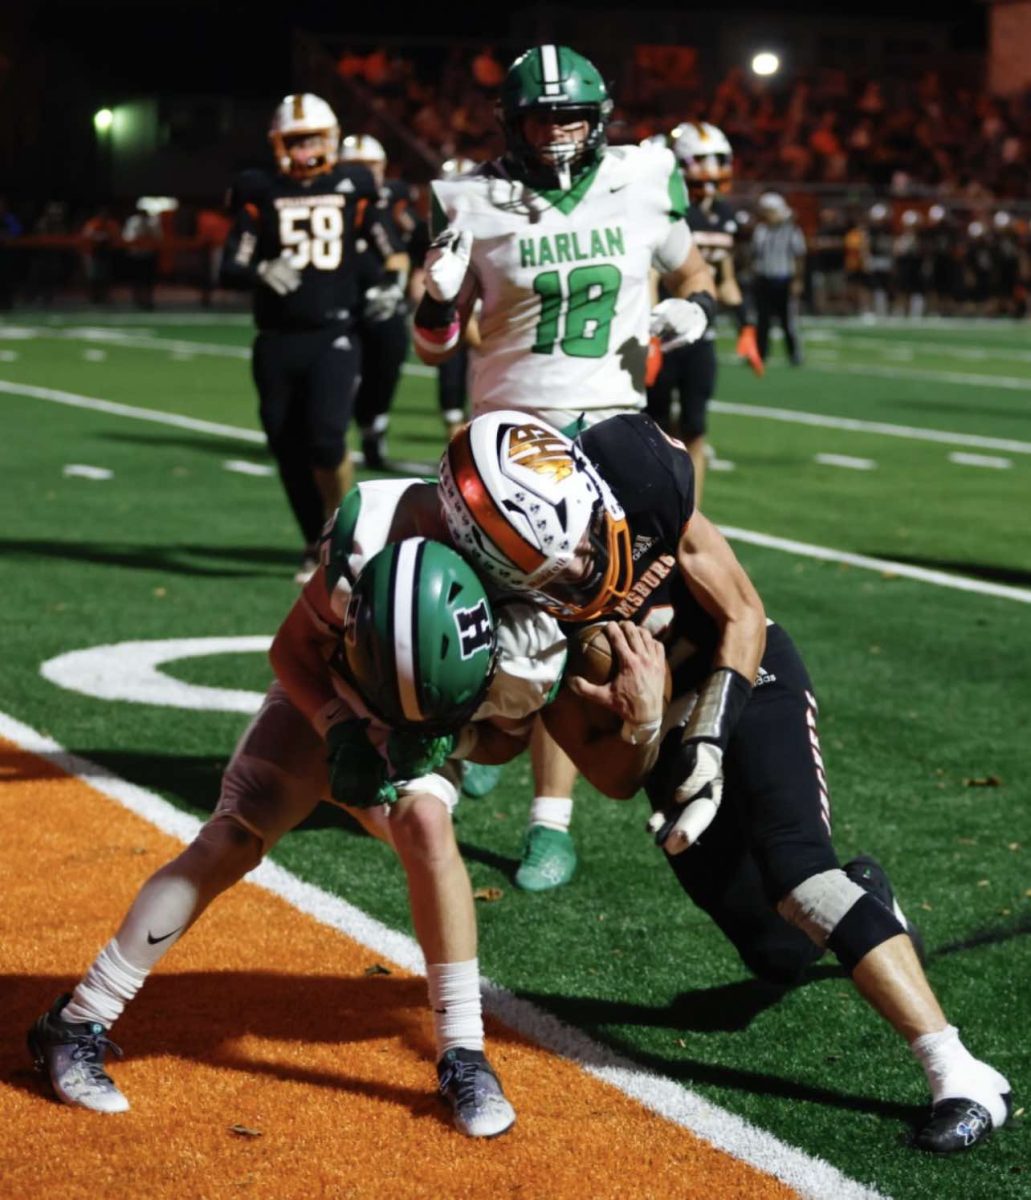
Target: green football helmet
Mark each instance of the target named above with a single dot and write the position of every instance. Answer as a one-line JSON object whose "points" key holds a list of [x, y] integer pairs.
{"points": [[546, 78], [420, 641]]}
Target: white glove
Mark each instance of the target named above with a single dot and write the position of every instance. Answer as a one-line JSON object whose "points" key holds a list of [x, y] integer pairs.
{"points": [[447, 261], [383, 301], [279, 275], [700, 793], [677, 323]]}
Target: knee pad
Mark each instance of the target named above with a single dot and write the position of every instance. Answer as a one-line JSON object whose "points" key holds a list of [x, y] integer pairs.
{"points": [[838, 914]]}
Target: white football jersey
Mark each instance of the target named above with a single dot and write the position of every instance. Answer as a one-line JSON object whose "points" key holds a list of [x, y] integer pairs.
{"points": [[563, 278], [531, 646]]}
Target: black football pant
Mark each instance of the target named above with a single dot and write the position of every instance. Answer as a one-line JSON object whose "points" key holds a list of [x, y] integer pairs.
{"points": [[690, 374], [306, 384], [773, 301], [384, 350], [772, 829]]}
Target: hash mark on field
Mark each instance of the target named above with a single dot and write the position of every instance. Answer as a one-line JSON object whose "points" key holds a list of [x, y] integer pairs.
{"points": [[83, 471], [8, 355], [845, 460], [242, 467], [980, 460], [94, 355]]}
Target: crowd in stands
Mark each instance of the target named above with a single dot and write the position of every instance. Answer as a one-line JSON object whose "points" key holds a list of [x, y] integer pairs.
{"points": [[914, 196]]}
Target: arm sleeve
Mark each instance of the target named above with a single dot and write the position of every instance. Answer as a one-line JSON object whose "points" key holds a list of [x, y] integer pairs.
{"points": [[674, 248]]}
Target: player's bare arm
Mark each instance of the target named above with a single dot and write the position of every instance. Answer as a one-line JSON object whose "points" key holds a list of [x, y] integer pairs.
{"points": [[611, 730], [693, 275], [301, 649], [718, 582]]}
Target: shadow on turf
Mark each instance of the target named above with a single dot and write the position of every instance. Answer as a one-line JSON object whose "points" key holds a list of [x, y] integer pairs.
{"points": [[174, 559], [728, 1008], [203, 1016]]}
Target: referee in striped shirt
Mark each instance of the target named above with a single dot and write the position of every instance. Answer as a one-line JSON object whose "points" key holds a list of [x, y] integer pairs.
{"points": [[778, 257]]}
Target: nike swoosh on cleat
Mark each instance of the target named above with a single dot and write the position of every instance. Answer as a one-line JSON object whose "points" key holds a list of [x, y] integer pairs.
{"points": [[153, 941]]}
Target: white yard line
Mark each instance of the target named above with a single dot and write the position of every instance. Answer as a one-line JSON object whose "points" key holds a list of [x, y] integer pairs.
{"points": [[846, 461], [939, 578], [811, 1177], [884, 566], [855, 425]]}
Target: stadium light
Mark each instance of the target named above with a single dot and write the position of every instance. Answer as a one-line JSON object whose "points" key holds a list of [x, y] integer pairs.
{"points": [[103, 119], [765, 63]]}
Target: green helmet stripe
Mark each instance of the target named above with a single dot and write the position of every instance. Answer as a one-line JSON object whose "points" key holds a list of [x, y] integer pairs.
{"points": [[406, 638], [550, 76]]}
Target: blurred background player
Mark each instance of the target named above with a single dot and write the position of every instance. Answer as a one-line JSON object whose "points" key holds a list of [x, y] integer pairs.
{"points": [[688, 374], [384, 267], [557, 239], [293, 240], [880, 245], [778, 261], [910, 276]]}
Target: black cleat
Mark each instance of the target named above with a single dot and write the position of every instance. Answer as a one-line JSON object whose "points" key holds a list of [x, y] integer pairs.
{"points": [[866, 871], [957, 1124]]}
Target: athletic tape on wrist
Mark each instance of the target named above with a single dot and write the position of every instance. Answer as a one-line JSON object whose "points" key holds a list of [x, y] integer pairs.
{"points": [[642, 733], [333, 712]]}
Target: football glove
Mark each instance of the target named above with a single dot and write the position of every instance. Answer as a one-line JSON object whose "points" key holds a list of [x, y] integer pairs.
{"points": [[679, 323], [653, 363], [748, 349], [357, 772], [280, 275], [383, 301], [412, 754], [447, 261], [686, 784]]}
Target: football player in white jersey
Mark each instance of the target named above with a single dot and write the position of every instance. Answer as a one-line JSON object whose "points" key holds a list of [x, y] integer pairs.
{"points": [[376, 700], [556, 240]]}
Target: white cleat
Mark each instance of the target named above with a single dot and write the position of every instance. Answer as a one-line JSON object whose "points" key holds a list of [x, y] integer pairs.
{"points": [[474, 1092], [73, 1056]]}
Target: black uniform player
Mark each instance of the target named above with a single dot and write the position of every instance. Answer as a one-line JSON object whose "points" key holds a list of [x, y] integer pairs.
{"points": [[737, 782], [384, 265], [293, 239], [689, 374]]}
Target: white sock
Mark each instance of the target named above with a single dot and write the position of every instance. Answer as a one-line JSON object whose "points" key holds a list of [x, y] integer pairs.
{"points": [[457, 1010], [106, 988], [952, 1071], [553, 812]]}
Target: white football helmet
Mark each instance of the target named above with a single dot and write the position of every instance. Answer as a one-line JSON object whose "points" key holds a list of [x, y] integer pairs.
{"points": [[705, 157], [298, 120], [523, 502], [363, 148]]}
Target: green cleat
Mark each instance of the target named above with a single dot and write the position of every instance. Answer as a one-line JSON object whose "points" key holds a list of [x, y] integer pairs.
{"points": [[478, 779], [549, 859]]}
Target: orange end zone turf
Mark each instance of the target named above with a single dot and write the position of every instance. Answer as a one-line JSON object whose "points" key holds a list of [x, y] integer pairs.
{"points": [[264, 1019]]}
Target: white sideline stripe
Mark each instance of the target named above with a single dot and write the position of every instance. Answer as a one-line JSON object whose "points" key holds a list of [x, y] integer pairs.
{"points": [[884, 565], [760, 539], [1019, 383], [857, 426], [811, 1177]]}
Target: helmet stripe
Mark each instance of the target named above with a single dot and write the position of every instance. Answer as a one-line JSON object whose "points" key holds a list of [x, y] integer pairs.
{"points": [[407, 561], [484, 509], [549, 71]]}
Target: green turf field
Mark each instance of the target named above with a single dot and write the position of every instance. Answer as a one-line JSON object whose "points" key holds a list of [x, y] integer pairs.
{"points": [[910, 444]]}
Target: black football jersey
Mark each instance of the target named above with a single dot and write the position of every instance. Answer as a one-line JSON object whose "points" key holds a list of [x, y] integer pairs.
{"points": [[653, 479], [316, 224], [713, 230]]}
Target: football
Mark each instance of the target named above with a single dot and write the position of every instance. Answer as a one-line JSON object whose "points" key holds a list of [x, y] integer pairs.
{"points": [[590, 656]]}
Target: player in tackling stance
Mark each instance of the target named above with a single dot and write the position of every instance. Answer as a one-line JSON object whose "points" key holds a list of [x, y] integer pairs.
{"points": [[607, 527], [376, 697]]}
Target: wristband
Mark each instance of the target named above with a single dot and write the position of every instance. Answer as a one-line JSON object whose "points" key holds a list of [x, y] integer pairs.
{"points": [[643, 733], [721, 700], [706, 303]]}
